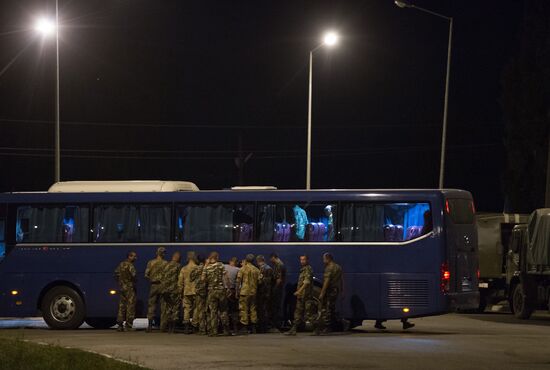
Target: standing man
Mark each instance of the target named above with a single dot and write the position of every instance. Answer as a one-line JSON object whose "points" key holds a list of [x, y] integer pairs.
{"points": [[263, 296], [153, 273], [279, 275], [171, 294], [247, 286], [232, 270], [187, 289], [216, 279], [303, 293], [332, 286], [199, 314], [125, 275]]}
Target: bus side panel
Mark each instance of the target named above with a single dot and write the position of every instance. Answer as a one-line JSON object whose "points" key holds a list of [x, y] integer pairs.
{"points": [[409, 295]]}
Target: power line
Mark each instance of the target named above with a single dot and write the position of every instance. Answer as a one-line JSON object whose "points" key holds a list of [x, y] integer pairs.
{"points": [[319, 154], [415, 125]]}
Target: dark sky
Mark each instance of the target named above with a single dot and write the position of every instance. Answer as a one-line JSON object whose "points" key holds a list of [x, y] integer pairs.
{"points": [[167, 89]]}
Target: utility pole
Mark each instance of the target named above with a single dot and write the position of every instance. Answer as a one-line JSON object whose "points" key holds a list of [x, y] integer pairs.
{"points": [[547, 199]]}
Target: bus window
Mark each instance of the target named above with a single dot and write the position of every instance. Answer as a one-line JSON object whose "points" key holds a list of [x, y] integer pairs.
{"points": [[391, 222], [2, 239], [67, 224], [215, 223], [131, 223], [313, 222]]}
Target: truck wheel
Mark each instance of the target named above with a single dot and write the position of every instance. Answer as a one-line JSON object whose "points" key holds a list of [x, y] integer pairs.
{"points": [[101, 322], [521, 303], [63, 308]]}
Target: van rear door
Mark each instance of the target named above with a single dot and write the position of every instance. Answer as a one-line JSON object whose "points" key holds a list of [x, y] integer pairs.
{"points": [[462, 250]]}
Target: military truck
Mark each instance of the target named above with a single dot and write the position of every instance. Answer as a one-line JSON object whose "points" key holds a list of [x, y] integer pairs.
{"points": [[528, 265], [494, 231]]}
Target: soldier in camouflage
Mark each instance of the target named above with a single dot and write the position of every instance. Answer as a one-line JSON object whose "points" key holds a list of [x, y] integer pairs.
{"points": [[332, 287], [187, 289], [171, 294], [279, 276], [125, 275], [263, 296], [304, 295], [247, 286], [199, 313], [153, 273], [216, 279]]}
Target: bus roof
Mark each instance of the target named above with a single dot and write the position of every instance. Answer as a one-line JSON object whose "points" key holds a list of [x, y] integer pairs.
{"points": [[356, 195]]}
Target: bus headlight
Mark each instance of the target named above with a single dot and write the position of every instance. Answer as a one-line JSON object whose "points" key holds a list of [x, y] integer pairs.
{"points": [[14, 292], [406, 309], [112, 292]]}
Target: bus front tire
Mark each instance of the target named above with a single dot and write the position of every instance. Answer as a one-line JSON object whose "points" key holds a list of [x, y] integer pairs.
{"points": [[101, 322], [63, 308], [522, 305]]}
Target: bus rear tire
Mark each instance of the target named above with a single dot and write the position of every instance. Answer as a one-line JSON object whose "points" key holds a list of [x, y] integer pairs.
{"points": [[63, 308], [522, 304], [101, 322]]}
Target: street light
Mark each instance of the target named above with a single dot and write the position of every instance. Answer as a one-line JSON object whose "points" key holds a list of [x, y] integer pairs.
{"points": [[46, 28], [330, 39], [404, 4]]}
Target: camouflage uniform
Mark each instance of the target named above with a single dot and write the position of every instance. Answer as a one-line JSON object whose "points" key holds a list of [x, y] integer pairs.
{"points": [[199, 314], [153, 273], [263, 296], [187, 288], [171, 294], [213, 274], [279, 272], [247, 285], [125, 274], [332, 275], [303, 300]]}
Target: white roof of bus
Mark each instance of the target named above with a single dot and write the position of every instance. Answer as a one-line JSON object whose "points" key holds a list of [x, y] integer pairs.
{"points": [[139, 186]]}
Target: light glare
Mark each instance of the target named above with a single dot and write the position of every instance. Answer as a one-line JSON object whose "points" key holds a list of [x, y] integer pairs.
{"points": [[330, 39], [44, 26]]}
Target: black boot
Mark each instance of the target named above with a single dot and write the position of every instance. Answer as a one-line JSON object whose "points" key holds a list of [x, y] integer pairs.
{"points": [[120, 326], [292, 331], [149, 327], [379, 325], [407, 325], [243, 330]]}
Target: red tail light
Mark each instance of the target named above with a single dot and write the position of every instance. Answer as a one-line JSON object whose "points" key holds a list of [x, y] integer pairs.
{"points": [[445, 277], [478, 275], [447, 207], [473, 207]]}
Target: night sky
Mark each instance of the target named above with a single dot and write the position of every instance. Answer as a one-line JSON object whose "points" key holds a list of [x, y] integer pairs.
{"points": [[176, 89]]}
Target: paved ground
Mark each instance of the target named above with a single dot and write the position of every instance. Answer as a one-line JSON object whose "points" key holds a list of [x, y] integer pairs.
{"points": [[487, 341]]}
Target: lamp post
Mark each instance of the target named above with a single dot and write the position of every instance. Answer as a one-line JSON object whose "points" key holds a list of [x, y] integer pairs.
{"points": [[403, 4], [46, 28], [330, 39]]}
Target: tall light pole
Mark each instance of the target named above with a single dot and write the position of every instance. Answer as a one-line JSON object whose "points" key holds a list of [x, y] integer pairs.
{"points": [[330, 39], [46, 28], [403, 4]]}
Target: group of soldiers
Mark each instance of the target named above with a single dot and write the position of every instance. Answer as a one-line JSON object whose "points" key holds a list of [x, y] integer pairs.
{"points": [[227, 299]]}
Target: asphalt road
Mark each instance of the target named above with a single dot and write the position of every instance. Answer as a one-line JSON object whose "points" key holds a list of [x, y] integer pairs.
{"points": [[486, 341]]}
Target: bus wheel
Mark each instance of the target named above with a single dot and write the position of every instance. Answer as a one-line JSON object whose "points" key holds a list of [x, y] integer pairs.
{"points": [[101, 322], [63, 308], [522, 305]]}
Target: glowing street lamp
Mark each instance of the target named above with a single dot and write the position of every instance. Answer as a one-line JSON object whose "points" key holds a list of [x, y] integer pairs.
{"points": [[330, 39], [46, 28]]}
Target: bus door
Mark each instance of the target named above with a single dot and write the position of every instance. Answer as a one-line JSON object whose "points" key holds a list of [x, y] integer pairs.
{"points": [[462, 264]]}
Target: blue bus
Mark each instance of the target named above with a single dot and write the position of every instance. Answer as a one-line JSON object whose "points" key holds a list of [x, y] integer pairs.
{"points": [[404, 253]]}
